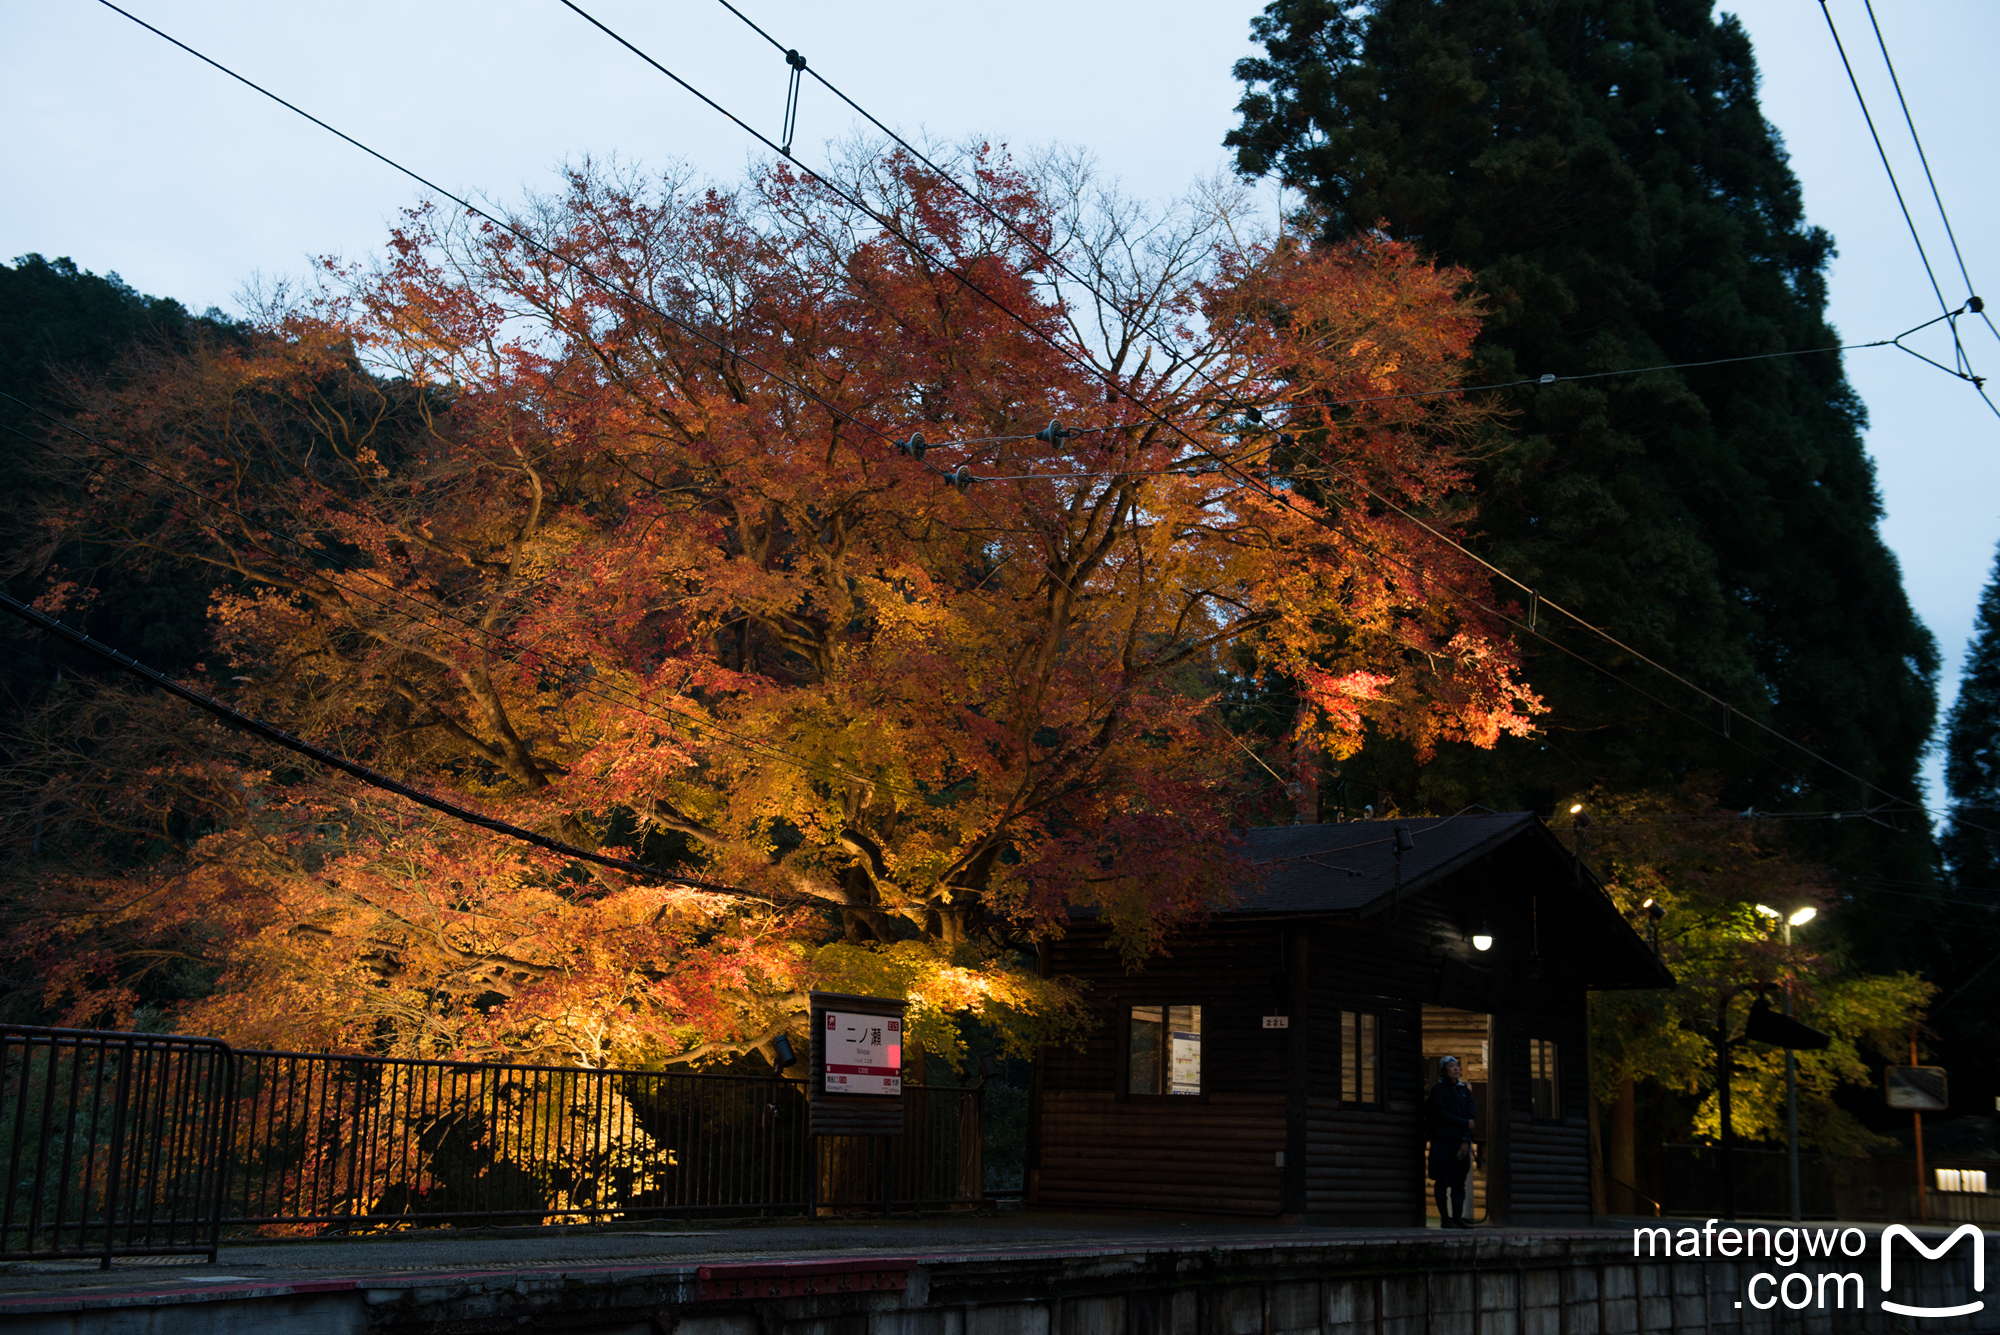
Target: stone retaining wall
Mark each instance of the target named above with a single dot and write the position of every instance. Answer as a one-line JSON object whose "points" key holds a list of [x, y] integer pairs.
{"points": [[1481, 1284]]}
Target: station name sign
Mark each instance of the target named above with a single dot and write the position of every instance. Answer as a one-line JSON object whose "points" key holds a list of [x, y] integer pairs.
{"points": [[864, 1053]]}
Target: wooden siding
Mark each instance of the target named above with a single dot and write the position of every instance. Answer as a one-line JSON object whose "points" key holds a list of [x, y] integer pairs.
{"points": [[1092, 1145], [1363, 1166], [1234, 971], [1215, 1155], [1550, 1160]]}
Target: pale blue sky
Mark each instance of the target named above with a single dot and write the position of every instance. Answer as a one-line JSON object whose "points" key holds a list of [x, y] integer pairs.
{"points": [[128, 155]]}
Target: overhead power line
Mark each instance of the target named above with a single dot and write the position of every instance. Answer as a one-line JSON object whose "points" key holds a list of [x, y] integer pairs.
{"points": [[1728, 710], [1072, 353], [1922, 157], [1973, 302], [698, 727], [374, 778]]}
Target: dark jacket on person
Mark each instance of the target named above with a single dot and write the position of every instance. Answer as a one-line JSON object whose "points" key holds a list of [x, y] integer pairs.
{"points": [[1448, 1112]]}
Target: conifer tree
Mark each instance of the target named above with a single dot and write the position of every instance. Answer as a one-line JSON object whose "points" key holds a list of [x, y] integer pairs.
{"points": [[1972, 756], [1603, 167], [1972, 833]]}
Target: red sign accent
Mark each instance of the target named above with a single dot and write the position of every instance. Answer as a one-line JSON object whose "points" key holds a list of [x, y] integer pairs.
{"points": [[796, 1279]]}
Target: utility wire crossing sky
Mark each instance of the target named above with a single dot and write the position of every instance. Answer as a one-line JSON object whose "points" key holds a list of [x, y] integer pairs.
{"points": [[196, 202]]}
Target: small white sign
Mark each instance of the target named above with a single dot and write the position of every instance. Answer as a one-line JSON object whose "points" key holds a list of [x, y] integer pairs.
{"points": [[1185, 1073], [1277, 1022], [864, 1054]]}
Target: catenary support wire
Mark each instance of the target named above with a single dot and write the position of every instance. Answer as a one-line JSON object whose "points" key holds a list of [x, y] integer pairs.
{"points": [[1223, 462], [236, 718]]}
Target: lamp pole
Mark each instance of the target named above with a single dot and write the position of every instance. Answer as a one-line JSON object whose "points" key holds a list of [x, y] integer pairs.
{"points": [[1722, 1107], [1791, 1088]]}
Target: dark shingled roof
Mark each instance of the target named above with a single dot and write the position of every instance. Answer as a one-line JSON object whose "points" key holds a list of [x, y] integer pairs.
{"points": [[1351, 867]]}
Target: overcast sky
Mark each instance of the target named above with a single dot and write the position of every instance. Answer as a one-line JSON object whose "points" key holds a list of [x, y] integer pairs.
{"points": [[128, 155]]}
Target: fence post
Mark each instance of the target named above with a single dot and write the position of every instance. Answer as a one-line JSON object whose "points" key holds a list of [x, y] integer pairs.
{"points": [[225, 1143], [117, 1150]]}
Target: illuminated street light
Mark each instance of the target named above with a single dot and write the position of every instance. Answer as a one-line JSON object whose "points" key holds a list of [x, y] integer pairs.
{"points": [[1481, 941], [1768, 911], [1799, 918]]}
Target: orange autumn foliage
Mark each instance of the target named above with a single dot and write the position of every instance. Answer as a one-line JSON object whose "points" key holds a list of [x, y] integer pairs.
{"points": [[667, 586]]}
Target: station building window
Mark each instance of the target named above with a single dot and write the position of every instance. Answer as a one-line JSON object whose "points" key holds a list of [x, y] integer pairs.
{"points": [[1163, 1049], [1544, 1090], [1360, 1057]]}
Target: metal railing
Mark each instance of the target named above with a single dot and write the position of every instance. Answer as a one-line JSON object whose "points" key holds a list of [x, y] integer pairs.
{"points": [[187, 1138], [113, 1142]]}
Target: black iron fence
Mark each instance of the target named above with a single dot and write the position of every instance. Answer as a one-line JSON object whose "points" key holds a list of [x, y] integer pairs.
{"points": [[1881, 1188], [311, 1143], [115, 1144]]}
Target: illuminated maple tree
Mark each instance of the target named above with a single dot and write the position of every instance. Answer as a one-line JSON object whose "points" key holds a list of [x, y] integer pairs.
{"points": [[602, 525]]}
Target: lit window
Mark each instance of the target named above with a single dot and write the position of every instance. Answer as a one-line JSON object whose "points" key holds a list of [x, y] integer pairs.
{"points": [[1544, 1094], [1164, 1050], [1360, 1057]]}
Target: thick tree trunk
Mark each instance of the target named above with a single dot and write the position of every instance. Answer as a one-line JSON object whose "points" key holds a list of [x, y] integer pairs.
{"points": [[1621, 1192]]}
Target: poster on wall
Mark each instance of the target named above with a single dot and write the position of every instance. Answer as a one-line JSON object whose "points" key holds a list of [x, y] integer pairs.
{"points": [[864, 1053], [1186, 1070]]}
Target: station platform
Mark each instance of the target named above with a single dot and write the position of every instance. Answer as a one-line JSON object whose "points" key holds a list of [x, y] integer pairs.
{"points": [[1013, 1273]]}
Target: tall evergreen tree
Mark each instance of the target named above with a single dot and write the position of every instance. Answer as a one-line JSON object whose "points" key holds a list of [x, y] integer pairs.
{"points": [[1972, 837], [59, 321], [1972, 757], [1604, 169]]}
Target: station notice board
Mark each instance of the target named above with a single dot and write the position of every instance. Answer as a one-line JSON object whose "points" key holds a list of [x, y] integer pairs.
{"points": [[1916, 1088], [857, 1065]]}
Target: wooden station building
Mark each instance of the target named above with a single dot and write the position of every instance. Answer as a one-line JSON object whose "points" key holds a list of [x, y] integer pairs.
{"points": [[1275, 1062]]}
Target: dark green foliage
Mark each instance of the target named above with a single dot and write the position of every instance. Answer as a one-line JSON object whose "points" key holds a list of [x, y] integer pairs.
{"points": [[1972, 757], [56, 317], [1604, 171], [1972, 837], [57, 322]]}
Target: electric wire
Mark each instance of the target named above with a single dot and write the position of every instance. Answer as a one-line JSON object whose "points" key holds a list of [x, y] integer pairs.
{"points": [[1074, 354], [1028, 239], [1030, 326], [1964, 369], [374, 778], [700, 728], [1924, 158], [998, 216]]}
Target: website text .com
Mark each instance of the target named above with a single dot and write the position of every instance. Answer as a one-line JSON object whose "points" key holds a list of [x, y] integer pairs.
{"points": [[1787, 1246]]}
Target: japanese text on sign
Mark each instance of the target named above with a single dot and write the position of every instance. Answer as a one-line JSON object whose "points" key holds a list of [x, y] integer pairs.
{"points": [[864, 1053]]}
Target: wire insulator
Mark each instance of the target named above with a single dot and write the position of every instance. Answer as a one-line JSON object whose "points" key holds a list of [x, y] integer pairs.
{"points": [[798, 64]]}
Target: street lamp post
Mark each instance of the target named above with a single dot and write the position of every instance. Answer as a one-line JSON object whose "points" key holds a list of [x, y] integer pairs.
{"points": [[1798, 918]]}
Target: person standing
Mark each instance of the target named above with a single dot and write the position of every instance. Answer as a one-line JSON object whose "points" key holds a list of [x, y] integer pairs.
{"points": [[1449, 1116]]}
